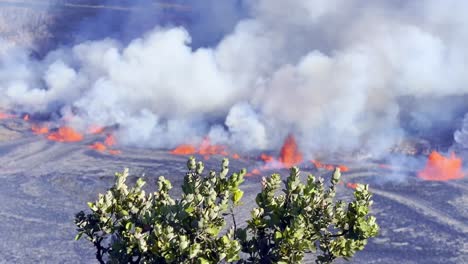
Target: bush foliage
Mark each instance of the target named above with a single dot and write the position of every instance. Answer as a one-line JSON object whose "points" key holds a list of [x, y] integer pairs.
{"points": [[126, 225]]}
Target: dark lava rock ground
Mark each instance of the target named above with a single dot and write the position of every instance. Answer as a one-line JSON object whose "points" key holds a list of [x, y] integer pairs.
{"points": [[43, 184]]}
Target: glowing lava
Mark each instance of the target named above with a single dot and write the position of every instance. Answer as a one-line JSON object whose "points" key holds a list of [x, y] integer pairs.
{"points": [[343, 168], [329, 167], [289, 154], [39, 130], [5, 116], [95, 129], [98, 146], [184, 149], [65, 134], [114, 152], [289, 157], [440, 168], [266, 158], [110, 140], [206, 149], [254, 172]]}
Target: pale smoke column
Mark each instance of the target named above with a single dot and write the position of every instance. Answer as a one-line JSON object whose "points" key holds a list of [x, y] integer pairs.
{"points": [[244, 129], [461, 136], [329, 72]]}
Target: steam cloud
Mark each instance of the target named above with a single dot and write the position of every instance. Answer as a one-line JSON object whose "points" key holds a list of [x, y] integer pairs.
{"points": [[331, 72]]}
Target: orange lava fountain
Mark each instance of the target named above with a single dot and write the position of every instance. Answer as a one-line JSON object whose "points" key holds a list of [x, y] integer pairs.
{"points": [[440, 168], [289, 154], [289, 157]]}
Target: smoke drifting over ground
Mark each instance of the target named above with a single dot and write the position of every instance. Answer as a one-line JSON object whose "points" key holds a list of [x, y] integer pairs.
{"points": [[331, 72]]}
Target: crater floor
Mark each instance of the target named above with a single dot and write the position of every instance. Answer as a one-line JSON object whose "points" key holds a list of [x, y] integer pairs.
{"points": [[43, 184]]}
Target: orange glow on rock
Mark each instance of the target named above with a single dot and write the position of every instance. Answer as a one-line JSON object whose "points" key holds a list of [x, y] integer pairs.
{"points": [[65, 134], [115, 152], [351, 185], [26, 117], [5, 116], [440, 168], [254, 172], [235, 156], [385, 166], [317, 164], [329, 167]]}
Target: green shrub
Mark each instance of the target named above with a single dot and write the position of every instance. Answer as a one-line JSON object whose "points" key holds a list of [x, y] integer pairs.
{"points": [[126, 225]]}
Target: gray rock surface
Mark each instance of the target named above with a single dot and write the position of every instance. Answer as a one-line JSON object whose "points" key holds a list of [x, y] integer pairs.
{"points": [[43, 184]]}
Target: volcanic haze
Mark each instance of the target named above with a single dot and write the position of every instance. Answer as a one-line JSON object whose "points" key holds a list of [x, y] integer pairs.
{"points": [[330, 72]]}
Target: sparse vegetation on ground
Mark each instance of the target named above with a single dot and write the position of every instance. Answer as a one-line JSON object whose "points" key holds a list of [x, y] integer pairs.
{"points": [[127, 225]]}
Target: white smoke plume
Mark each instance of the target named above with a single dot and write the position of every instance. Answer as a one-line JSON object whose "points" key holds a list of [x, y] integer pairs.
{"points": [[461, 136], [330, 72]]}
